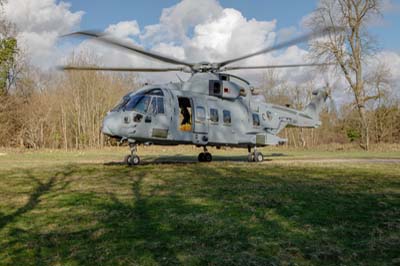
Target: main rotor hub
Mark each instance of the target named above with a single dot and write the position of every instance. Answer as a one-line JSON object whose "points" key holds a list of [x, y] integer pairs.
{"points": [[205, 67]]}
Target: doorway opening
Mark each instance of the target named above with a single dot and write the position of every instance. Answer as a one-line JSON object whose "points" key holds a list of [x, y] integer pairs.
{"points": [[185, 114]]}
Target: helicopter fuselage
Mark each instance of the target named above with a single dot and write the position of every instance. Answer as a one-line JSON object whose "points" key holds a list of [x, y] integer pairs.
{"points": [[210, 109]]}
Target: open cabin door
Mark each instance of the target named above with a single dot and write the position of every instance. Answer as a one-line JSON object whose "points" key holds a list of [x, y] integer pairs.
{"points": [[200, 118]]}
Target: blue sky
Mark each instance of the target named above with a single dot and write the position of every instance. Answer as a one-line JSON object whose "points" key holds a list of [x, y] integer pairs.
{"points": [[105, 12], [192, 30], [288, 13]]}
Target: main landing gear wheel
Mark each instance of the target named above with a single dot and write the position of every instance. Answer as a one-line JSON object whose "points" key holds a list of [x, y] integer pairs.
{"points": [[135, 160], [255, 156], [205, 157], [208, 157], [132, 160], [258, 157]]}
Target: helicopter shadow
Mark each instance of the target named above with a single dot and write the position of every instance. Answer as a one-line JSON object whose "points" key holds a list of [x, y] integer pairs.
{"points": [[190, 159]]}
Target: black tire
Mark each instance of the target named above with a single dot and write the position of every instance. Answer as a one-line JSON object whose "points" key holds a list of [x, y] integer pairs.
{"points": [[127, 159], [250, 157], [207, 157], [135, 160], [258, 157], [201, 157]]}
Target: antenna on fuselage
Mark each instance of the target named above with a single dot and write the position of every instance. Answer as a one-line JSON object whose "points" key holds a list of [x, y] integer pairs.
{"points": [[180, 80]]}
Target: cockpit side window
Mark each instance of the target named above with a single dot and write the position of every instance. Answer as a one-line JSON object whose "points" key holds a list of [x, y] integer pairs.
{"points": [[157, 105], [139, 103]]}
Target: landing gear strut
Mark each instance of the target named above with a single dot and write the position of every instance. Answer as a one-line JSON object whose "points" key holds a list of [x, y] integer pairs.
{"points": [[205, 156], [254, 156], [132, 159]]}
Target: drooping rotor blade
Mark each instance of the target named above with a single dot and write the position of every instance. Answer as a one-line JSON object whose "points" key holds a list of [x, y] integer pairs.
{"points": [[276, 66], [122, 69], [294, 41], [130, 47]]}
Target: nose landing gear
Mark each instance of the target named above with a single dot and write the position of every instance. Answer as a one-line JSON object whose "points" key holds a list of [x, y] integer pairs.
{"points": [[133, 158]]}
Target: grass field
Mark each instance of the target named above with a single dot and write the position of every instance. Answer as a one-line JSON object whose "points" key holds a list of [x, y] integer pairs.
{"points": [[298, 208]]}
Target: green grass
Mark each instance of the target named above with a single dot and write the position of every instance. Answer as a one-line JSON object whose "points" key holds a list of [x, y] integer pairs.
{"points": [[59, 208]]}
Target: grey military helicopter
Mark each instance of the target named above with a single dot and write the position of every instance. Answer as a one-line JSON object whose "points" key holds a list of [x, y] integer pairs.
{"points": [[211, 109]]}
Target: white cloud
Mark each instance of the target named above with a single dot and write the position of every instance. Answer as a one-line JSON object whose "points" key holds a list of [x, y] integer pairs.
{"points": [[124, 29], [170, 50], [39, 23], [176, 21], [230, 35]]}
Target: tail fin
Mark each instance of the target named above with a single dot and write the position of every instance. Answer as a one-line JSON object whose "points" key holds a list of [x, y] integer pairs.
{"points": [[315, 106]]}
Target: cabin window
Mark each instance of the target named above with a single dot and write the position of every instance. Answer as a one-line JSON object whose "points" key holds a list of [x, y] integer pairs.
{"points": [[214, 115], [157, 105], [200, 114], [256, 120], [227, 117]]}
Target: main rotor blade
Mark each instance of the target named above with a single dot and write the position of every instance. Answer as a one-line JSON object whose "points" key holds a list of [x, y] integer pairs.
{"points": [[294, 41], [130, 47], [121, 69], [276, 66]]}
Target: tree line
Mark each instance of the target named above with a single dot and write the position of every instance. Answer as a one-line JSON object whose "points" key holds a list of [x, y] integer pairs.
{"points": [[50, 109]]}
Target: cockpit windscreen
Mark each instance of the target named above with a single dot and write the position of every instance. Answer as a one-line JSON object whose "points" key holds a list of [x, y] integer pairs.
{"points": [[150, 101]]}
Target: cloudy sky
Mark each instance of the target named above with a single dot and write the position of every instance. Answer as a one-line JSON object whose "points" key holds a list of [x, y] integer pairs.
{"points": [[206, 30]]}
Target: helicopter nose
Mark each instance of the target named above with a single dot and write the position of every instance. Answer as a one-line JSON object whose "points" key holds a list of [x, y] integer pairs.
{"points": [[109, 126], [106, 130]]}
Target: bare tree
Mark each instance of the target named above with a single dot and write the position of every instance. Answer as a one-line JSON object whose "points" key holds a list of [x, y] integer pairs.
{"points": [[378, 82], [8, 53], [349, 48]]}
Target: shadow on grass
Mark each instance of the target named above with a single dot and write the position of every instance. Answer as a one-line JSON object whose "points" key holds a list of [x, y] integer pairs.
{"points": [[230, 215], [188, 159], [34, 198]]}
